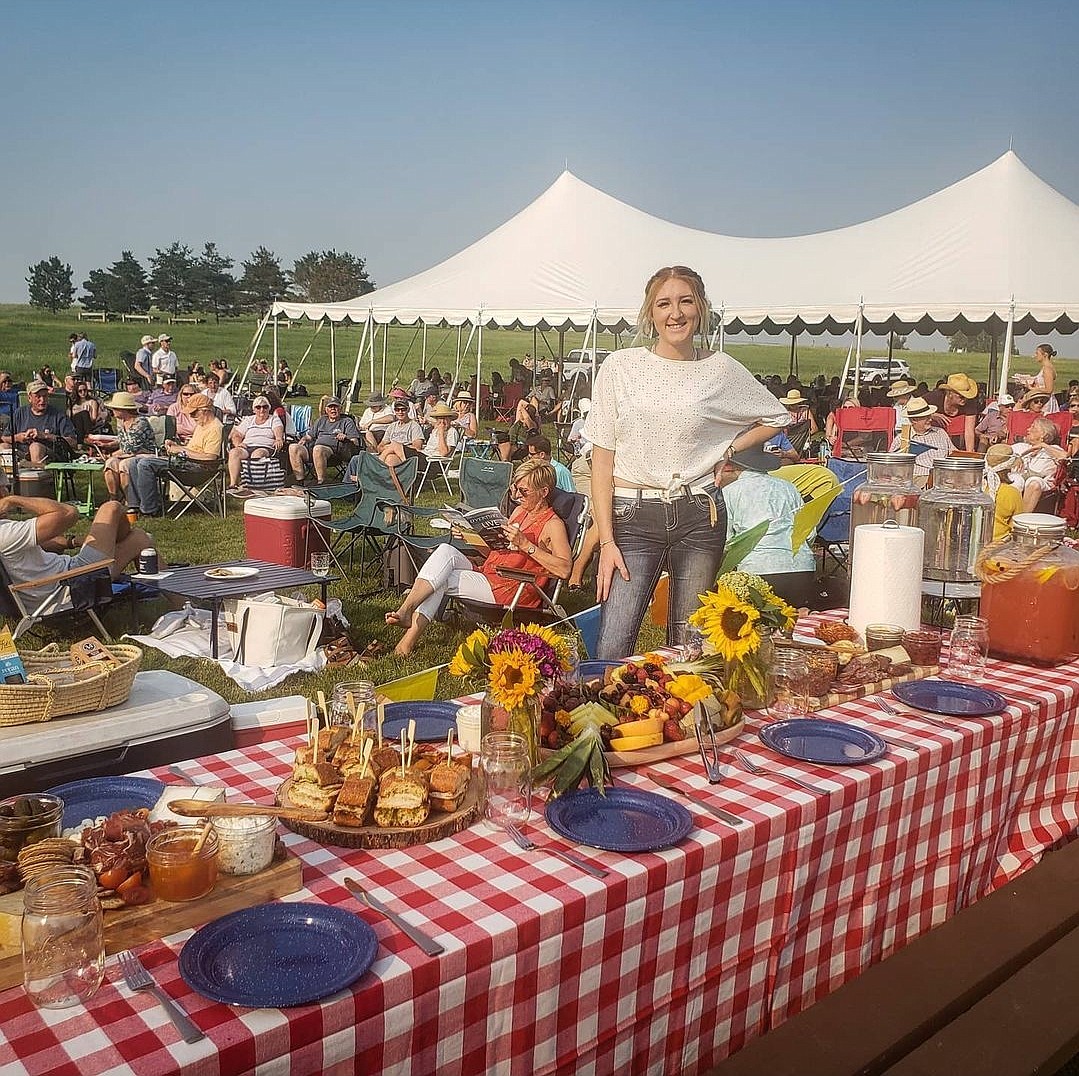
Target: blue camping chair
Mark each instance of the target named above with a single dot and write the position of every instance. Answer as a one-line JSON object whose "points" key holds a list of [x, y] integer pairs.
{"points": [[833, 534]]}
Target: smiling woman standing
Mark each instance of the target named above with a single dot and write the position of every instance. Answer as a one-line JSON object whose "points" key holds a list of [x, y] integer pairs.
{"points": [[662, 417]]}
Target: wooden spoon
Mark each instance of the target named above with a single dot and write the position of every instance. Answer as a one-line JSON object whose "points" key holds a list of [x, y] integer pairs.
{"points": [[201, 809]]}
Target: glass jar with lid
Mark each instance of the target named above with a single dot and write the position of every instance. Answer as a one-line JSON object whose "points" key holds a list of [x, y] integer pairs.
{"points": [[363, 696], [889, 491], [1030, 592], [957, 517]]}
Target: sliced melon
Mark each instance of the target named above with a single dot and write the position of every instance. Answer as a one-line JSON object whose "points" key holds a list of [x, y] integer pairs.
{"points": [[635, 743], [646, 726]]}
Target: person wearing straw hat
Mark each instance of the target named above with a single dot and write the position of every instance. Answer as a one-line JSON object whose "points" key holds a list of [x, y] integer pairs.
{"points": [[377, 415], [441, 441], [926, 441], [465, 407], [1000, 460], [958, 395], [135, 437], [1035, 400], [898, 394]]}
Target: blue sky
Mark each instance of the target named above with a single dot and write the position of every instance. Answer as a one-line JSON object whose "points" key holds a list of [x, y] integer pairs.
{"points": [[403, 131]]}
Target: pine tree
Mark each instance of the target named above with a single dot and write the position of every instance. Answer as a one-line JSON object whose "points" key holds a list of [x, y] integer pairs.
{"points": [[330, 277], [50, 285], [173, 279], [263, 281], [215, 286]]}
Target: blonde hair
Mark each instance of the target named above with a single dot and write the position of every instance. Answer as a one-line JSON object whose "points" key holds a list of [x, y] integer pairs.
{"points": [[645, 325], [537, 474]]}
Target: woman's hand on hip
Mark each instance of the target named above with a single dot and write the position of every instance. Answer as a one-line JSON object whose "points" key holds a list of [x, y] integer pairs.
{"points": [[610, 561]]}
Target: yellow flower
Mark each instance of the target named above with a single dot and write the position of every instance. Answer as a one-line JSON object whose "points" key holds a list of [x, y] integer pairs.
{"points": [[688, 687], [470, 655], [514, 677], [788, 613], [553, 639], [728, 623], [639, 704], [652, 658]]}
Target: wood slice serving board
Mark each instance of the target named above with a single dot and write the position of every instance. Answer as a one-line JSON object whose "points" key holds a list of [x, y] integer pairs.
{"points": [[127, 927], [917, 672], [437, 826]]}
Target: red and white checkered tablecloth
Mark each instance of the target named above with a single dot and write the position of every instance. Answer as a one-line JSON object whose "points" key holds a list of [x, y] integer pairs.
{"points": [[667, 965]]}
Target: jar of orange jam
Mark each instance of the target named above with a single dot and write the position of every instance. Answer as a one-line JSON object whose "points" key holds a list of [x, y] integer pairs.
{"points": [[179, 868]]}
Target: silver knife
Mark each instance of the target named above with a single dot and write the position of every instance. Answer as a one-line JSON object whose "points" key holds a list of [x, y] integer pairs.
{"points": [[428, 945], [722, 815]]}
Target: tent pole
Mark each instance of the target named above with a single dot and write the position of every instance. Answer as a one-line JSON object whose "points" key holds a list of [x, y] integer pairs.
{"points": [[425, 347], [371, 355], [256, 340], [479, 354], [991, 373], [275, 359], [891, 342], [333, 360], [791, 361], [1009, 337], [858, 353], [385, 344], [356, 368], [303, 357], [593, 326]]}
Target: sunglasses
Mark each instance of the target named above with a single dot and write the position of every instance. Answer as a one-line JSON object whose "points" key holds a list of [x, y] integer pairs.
{"points": [[262, 407], [187, 394]]}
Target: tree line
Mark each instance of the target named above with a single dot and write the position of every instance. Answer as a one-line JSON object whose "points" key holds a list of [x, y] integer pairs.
{"points": [[180, 282]]}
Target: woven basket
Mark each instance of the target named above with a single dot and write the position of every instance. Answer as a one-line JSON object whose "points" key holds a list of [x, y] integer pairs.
{"points": [[97, 687]]}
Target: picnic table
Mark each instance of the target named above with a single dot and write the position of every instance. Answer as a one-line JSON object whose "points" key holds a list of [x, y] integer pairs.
{"points": [[673, 961]]}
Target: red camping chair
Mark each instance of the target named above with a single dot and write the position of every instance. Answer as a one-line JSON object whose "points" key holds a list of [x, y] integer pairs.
{"points": [[1019, 422], [511, 397], [861, 430]]}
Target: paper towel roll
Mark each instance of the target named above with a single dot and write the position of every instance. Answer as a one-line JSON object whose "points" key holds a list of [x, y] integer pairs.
{"points": [[886, 576]]}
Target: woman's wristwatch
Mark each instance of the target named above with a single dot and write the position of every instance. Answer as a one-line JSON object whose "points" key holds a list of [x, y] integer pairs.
{"points": [[531, 551]]}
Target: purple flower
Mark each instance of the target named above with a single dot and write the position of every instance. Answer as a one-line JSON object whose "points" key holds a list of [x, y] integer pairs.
{"points": [[539, 650]]}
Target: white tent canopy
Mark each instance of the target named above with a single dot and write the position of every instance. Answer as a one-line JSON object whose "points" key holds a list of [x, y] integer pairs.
{"points": [[576, 256]]}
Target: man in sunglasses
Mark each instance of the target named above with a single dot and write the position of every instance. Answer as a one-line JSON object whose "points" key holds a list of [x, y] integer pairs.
{"points": [[42, 433]]}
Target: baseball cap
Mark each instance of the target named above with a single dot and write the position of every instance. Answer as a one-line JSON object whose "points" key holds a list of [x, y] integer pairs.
{"points": [[331, 401], [163, 337]]}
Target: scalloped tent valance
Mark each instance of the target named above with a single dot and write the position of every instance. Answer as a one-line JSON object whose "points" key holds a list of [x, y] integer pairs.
{"points": [[954, 260]]}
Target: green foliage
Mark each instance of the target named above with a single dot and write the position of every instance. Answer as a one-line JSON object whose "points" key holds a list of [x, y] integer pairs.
{"points": [[120, 289], [263, 280], [214, 285], [50, 285], [739, 547], [173, 279], [330, 277]]}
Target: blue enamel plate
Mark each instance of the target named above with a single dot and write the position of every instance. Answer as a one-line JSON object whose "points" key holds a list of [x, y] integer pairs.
{"points": [[433, 720], [623, 820], [595, 670], [277, 955], [818, 739], [949, 697], [97, 796]]}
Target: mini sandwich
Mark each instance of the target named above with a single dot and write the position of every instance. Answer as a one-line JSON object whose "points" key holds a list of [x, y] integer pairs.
{"points": [[304, 755], [323, 774], [385, 758], [329, 740], [354, 801], [449, 782], [309, 794], [402, 801], [348, 758]]}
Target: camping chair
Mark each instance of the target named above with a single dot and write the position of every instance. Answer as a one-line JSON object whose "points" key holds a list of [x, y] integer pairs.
{"points": [[1019, 422], [833, 532], [861, 430], [483, 407], [572, 509], [586, 624], [484, 482], [106, 382], [301, 417], [819, 488], [447, 466], [511, 397], [92, 591], [196, 485]]}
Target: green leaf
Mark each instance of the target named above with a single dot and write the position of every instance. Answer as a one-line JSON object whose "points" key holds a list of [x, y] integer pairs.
{"points": [[739, 547]]}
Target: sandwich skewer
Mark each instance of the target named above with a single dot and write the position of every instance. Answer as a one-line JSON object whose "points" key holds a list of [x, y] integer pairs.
{"points": [[367, 747], [322, 706], [404, 754], [350, 699], [411, 738], [449, 748], [381, 716]]}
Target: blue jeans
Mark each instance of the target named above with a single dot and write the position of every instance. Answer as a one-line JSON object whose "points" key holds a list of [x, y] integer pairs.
{"points": [[678, 535], [143, 491]]}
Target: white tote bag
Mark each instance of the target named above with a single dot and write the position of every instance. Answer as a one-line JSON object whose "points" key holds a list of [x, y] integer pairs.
{"points": [[272, 631]]}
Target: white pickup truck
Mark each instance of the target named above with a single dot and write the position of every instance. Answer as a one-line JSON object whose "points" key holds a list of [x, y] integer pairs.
{"points": [[579, 360]]}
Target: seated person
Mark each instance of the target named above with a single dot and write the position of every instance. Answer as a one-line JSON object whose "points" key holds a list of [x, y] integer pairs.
{"points": [[957, 395], [163, 397], [444, 436], [42, 432], [134, 438], [134, 386], [992, 427], [9, 395], [526, 421], [782, 447], [1008, 501], [87, 414], [425, 405], [926, 441], [201, 454], [465, 407], [402, 434], [545, 397], [32, 548], [224, 404], [751, 495], [831, 427], [420, 386], [1073, 433], [332, 437], [538, 447], [221, 368], [182, 420], [376, 417], [538, 543], [254, 437], [1039, 455]]}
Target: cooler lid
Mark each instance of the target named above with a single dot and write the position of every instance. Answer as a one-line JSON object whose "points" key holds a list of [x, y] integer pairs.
{"points": [[161, 705], [284, 507]]}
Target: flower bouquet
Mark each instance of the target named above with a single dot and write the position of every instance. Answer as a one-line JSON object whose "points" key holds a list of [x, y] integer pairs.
{"points": [[516, 664], [737, 619]]}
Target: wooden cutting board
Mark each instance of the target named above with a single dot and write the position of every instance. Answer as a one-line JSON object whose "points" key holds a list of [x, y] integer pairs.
{"points": [[917, 672], [127, 927]]}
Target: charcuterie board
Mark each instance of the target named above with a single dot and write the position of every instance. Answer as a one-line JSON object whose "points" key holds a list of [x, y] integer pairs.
{"points": [[860, 691], [437, 826], [126, 927]]}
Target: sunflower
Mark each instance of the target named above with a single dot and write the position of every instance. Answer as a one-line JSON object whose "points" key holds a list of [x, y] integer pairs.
{"points": [[514, 678], [556, 642], [471, 655], [728, 623]]}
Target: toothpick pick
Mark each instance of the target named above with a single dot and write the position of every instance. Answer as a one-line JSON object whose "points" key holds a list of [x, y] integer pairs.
{"points": [[367, 746], [449, 748], [381, 718], [350, 699], [322, 705], [411, 738], [402, 753]]}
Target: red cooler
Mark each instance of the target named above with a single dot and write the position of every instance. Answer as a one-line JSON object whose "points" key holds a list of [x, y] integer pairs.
{"points": [[279, 529]]}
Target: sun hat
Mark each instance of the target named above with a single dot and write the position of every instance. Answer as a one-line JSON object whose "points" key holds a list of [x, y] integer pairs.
{"points": [[1000, 457], [123, 401], [398, 394], [1004, 400], [902, 388], [962, 385], [792, 399], [1034, 394], [466, 395], [441, 410], [146, 340], [919, 408], [36, 386], [331, 401], [376, 399], [163, 337], [196, 403], [756, 459]]}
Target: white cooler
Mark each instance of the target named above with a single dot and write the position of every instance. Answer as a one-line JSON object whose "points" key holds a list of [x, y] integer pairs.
{"points": [[279, 529]]}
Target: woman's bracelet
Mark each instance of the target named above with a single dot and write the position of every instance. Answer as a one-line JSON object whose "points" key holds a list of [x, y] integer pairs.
{"points": [[609, 541]]}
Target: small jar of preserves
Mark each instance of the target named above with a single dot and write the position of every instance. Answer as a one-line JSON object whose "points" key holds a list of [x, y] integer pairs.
{"points": [[882, 636], [183, 862], [923, 647]]}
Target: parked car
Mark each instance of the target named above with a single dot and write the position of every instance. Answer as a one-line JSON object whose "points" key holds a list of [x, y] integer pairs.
{"points": [[879, 370], [579, 360]]}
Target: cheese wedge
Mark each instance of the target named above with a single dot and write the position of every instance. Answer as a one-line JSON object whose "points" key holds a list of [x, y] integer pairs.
{"points": [[635, 743], [207, 793], [647, 726]]}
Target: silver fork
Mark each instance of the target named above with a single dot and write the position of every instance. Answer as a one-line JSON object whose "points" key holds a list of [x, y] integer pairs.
{"points": [[576, 861], [138, 978], [760, 771], [893, 712]]}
